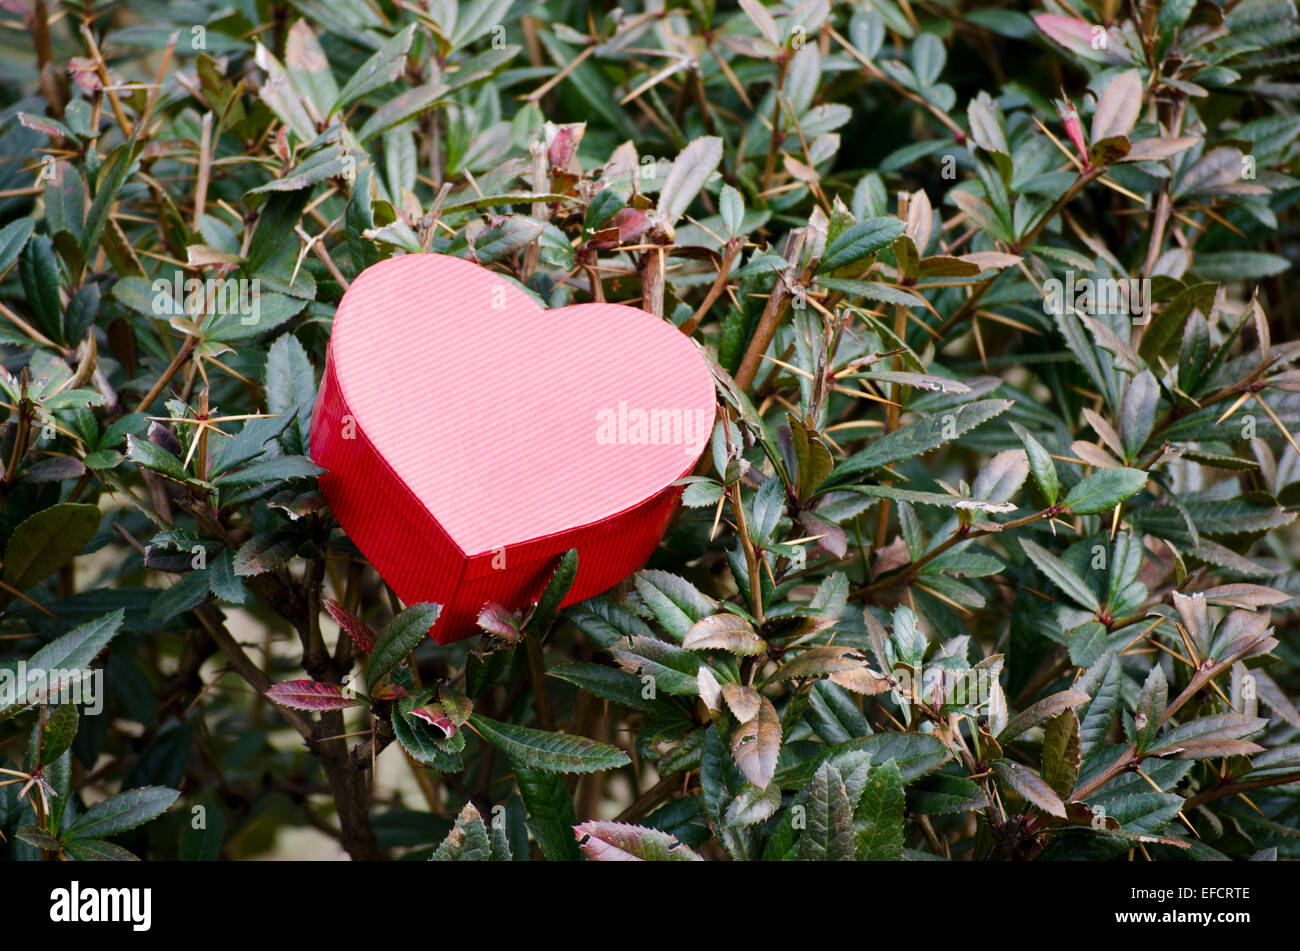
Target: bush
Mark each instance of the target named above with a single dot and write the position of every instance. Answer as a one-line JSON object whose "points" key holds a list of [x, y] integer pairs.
{"points": [[992, 555]]}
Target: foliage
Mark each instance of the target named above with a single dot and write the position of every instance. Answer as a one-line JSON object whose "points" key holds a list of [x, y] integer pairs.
{"points": [[978, 564]]}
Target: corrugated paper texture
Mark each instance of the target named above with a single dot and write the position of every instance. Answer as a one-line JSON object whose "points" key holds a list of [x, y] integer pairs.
{"points": [[472, 437]]}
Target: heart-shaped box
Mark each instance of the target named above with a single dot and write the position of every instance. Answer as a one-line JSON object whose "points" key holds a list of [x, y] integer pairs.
{"points": [[471, 437]]}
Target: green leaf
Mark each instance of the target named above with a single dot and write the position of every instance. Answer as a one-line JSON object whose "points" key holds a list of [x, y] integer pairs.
{"points": [[402, 108], [145, 453], [426, 744], [829, 833], [1238, 265], [39, 271], [550, 752], [1062, 749], [291, 386], [37, 838], [676, 603], [556, 589], [189, 591], [225, 584], [48, 540], [918, 438], [1103, 490], [468, 840], [57, 732], [1139, 413], [878, 819], [1106, 696], [608, 683], [111, 176], [377, 72], [943, 794], [1062, 575], [859, 240], [1162, 335], [915, 755], [403, 634], [730, 205], [263, 553], [271, 470], [97, 850], [124, 811], [13, 238], [550, 812], [73, 651], [1150, 712], [690, 170]]}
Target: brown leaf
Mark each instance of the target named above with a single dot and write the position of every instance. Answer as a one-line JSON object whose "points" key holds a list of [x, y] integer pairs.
{"points": [[860, 680], [1044, 709], [1159, 148], [1118, 108], [1030, 786], [727, 632], [743, 701], [1204, 748], [757, 743], [819, 661]]}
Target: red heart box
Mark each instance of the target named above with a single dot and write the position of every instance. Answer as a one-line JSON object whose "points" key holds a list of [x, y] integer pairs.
{"points": [[472, 437]]}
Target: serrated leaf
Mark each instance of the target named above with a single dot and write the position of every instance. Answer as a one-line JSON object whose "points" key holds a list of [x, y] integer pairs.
{"points": [[310, 695], [551, 752], [828, 835], [355, 628], [566, 572], [690, 170], [727, 632], [621, 842], [550, 812], [675, 602], [73, 652], [124, 811], [919, 437], [1062, 752], [756, 744], [1031, 787], [1062, 575], [1103, 490], [857, 241], [878, 819], [468, 840], [402, 108], [48, 540], [1044, 709], [402, 635], [376, 72], [57, 732]]}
